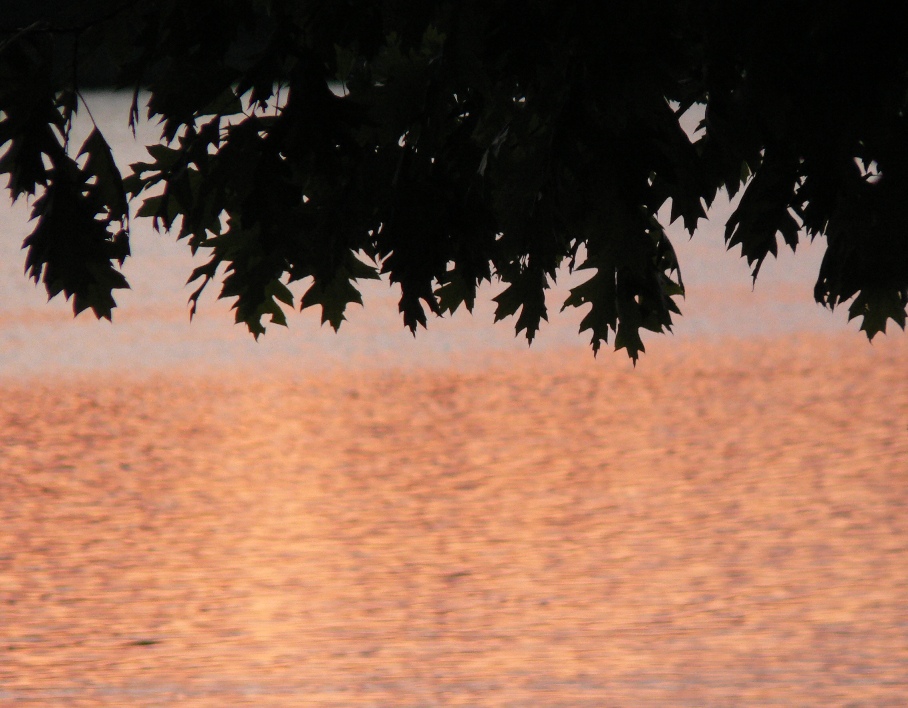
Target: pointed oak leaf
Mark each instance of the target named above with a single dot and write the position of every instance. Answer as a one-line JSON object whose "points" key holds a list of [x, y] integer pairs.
{"points": [[525, 292]]}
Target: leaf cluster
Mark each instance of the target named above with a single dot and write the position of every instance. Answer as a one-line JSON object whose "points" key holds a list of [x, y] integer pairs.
{"points": [[447, 144], [81, 214]]}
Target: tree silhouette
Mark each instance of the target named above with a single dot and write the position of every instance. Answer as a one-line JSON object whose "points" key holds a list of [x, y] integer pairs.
{"points": [[450, 143]]}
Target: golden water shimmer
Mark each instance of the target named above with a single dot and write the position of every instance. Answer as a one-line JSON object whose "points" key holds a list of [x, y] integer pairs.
{"points": [[725, 525]]}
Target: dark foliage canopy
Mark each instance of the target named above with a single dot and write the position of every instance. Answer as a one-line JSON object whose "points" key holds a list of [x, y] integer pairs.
{"points": [[450, 143]]}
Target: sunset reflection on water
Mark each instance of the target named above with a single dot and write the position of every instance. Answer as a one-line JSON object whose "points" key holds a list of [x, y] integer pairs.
{"points": [[723, 525], [190, 518]]}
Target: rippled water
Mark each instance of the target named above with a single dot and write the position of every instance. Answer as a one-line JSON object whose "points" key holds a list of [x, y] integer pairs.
{"points": [[188, 517], [724, 526]]}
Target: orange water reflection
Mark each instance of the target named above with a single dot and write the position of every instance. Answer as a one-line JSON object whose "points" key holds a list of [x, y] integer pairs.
{"points": [[723, 526]]}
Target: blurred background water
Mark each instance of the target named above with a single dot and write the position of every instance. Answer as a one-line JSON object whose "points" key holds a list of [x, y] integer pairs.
{"points": [[151, 327], [723, 526]]}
